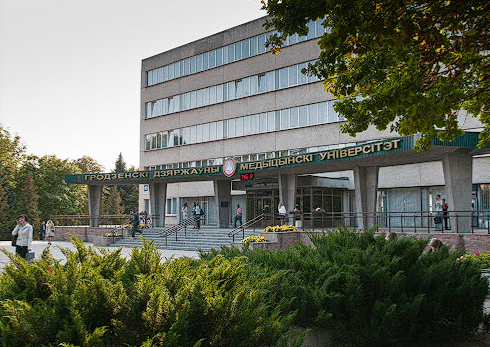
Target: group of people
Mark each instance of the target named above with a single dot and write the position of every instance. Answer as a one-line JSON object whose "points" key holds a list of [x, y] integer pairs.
{"points": [[22, 235], [196, 211]]}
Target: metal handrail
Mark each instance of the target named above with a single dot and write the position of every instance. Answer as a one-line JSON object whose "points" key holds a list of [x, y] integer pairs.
{"points": [[183, 224], [247, 224]]}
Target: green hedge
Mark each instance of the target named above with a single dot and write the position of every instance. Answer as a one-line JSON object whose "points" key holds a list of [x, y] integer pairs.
{"points": [[370, 291], [363, 289]]}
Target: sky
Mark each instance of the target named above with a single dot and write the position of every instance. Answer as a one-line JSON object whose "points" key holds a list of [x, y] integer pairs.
{"points": [[70, 71]]}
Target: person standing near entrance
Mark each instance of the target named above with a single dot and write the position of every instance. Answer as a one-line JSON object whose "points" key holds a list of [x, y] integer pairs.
{"points": [[185, 211], [438, 210], [198, 216], [136, 222], [50, 230], [23, 230], [445, 207], [281, 209], [238, 217]]}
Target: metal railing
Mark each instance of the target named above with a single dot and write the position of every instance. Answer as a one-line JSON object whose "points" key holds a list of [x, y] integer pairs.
{"points": [[104, 220], [178, 227], [251, 223]]}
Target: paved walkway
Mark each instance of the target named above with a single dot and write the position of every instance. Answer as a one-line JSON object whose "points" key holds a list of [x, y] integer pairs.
{"points": [[39, 246]]}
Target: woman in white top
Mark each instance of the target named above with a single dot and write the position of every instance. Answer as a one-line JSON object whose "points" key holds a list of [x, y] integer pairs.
{"points": [[23, 230], [185, 211], [282, 212], [49, 230]]}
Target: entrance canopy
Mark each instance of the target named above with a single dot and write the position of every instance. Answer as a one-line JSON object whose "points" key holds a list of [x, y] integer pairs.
{"points": [[388, 152]]}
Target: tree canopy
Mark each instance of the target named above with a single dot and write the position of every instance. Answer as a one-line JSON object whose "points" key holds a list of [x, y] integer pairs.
{"points": [[409, 65]]}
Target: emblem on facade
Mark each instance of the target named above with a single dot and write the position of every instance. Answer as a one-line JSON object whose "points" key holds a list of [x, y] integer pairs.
{"points": [[229, 167]]}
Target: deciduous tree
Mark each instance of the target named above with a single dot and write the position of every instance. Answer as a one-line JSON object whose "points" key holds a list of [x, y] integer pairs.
{"points": [[405, 64]]}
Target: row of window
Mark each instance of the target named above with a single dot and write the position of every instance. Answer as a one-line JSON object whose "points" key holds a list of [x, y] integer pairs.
{"points": [[225, 55], [289, 118], [273, 80], [248, 157]]}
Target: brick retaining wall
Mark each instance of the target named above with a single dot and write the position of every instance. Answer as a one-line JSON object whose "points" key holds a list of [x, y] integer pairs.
{"points": [[86, 234], [467, 242]]}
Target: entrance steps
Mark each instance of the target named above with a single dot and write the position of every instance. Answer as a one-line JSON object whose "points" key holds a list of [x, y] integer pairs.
{"points": [[205, 239]]}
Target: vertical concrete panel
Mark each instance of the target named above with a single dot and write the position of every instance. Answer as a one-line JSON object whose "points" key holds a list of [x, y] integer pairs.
{"points": [[458, 171], [366, 187], [287, 191], [158, 199], [222, 196], [94, 204]]}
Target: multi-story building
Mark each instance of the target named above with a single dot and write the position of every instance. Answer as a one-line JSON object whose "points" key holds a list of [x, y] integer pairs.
{"points": [[225, 96]]}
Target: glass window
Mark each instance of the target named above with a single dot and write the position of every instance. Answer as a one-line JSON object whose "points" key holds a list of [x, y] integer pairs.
{"points": [[239, 91], [212, 59], [219, 130], [271, 121], [177, 137], [255, 124], [254, 85], [262, 83], [285, 119], [230, 128], [186, 135], [263, 122], [199, 98], [253, 46], [171, 105], [177, 69], [320, 30], [231, 90], [193, 134], [219, 93], [270, 80], [293, 117], [212, 131], [160, 75], [283, 78], [225, 92], [159, 140], [147, 142], [293, 75], [199, 133], [205, 61], [231, 53], [219, 57], [311, 30], [148, 110], [245, 49], [246, 125], [149, 78], [171, 71], [261, 44], [187, 67], [238, 51], [205, 96], [199, 63], [332, 115], [193, 65], [186, 104], [293, 39], [313, 113], [205, 132], [239, 126], [165, 73], [153, 141], [303, 116], [212, 95], [322, 113], [302, 78], [246, 86], [225, 55], [193, 99]]}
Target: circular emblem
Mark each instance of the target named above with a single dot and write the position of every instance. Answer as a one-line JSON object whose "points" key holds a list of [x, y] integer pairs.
{"points": [[229, 167]]}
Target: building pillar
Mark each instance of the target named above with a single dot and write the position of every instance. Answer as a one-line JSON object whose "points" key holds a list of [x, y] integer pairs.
{"points": [[94, 204], [222, 196], [366, 187], [287, 190], [158, 200], [458, 172]]}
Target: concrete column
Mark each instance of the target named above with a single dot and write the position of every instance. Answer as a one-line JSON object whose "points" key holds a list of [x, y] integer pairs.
{"points": [[158, 200], [366, 186], [458, 171], [287, 190], [94, 204], [222, 196]]}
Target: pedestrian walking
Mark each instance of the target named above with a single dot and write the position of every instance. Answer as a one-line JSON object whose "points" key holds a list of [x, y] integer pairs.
{"points": [[23, 231]]}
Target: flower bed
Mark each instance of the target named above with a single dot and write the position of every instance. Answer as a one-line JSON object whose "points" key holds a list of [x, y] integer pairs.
{"points": [[279, 228], [254, 238]]}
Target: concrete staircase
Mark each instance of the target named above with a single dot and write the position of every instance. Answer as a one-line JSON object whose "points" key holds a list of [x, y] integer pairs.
{"points": [[205, 239]]}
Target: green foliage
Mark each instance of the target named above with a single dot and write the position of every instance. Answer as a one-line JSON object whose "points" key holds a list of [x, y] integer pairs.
{"points": [[370, 291], [408, 65], [482, 260], [98, 298]]}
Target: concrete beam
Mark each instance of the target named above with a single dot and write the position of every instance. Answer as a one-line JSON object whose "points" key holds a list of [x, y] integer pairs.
{"points": [[158, 201], [366, 187], [222, 196]]}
